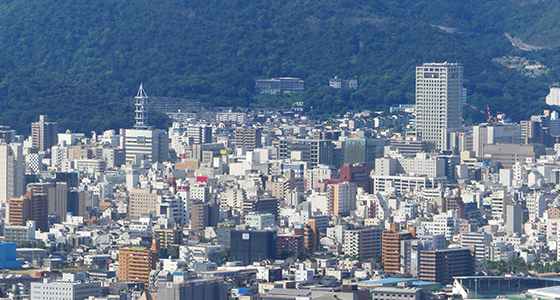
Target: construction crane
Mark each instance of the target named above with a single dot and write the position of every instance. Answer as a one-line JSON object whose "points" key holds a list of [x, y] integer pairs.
{"points": [[490, 119]]}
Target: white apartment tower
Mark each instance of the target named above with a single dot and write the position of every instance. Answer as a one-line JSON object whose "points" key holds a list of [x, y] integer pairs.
{"points": [[439, 88]]}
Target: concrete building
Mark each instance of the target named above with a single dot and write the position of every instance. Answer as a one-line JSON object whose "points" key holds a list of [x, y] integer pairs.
{"points": [[18, 234], [363, 242], [391, 249], [65, 289], [11, 172], [253, 246], [553, 97], [200, 289], [199, 133], [477, 241], [135, 263], [149, 144], [363, 151], [508, 154], [231, 117], [381, 293], [443, 264], [142, 201], [438, 101], [315, 152], [514, 220], [279, 85], [203, 215], [32, 206], [259, 221], [486, 134], [341, 198], [248, 137], [44, 134]]}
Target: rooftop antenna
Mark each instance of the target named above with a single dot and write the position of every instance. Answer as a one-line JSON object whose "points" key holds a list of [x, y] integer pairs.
{"points": [[141, 103]]}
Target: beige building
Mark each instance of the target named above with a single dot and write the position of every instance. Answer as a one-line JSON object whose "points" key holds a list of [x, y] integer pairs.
{"points": [[142, 201]]}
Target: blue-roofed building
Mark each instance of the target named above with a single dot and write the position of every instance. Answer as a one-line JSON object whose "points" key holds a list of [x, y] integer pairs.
{"points": [[8, 255]]}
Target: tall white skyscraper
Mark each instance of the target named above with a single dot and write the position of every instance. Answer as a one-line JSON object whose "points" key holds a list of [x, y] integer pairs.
{"points": [[11, 172], [439, 88]]}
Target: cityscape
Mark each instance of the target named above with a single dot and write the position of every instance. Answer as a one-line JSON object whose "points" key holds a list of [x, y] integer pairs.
{"points": [[410, 204]]}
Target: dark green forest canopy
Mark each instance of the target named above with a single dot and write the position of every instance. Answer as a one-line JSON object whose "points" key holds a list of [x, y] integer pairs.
{"points": [[80, 61]]}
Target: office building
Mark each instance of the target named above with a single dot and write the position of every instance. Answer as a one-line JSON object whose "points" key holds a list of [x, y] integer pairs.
{"points": [[364, 243], [203, 215], [135, 263], [200, 289], [8, 256], [476, 241], [315, 152], [143, 201], [259, 221], [18, 234], [199, 133], [44, 134], [485, 134], [146, 144], [514, 220], [443, 264], [248, 137], [439, 89], [363, 151], [252, 246], [507, 155], [391, 249], [11, 172], [65, 289]]}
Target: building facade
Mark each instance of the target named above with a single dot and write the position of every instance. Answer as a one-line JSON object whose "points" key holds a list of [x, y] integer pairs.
{"points": [[439, 89]]}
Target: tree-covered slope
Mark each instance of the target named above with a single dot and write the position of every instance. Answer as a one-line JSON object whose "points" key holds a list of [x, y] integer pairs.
{"points": [[212, 51]]}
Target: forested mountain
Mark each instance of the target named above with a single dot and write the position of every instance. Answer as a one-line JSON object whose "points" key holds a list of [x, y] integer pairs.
{"points": [[80, 61]]}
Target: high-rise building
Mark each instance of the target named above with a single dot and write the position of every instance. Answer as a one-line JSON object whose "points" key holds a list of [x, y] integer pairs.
{"points": [[341, 198], [32, 206], [203, 215], [315, 152], [199, 133], [249, 137], [253, 246], [143, 142], [19, 211], [149, 144], [11, 172], [143, 201], [363, 242], [135, 263], [391, 249], [442, 265], [514, 220], [439, 89], [44, 134]]}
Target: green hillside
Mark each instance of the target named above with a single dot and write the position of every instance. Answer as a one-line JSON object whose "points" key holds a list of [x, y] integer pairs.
{"points": [[80, 61]]}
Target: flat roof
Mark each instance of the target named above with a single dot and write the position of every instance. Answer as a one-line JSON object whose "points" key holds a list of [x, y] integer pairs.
{"points": [[388, 280]]}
